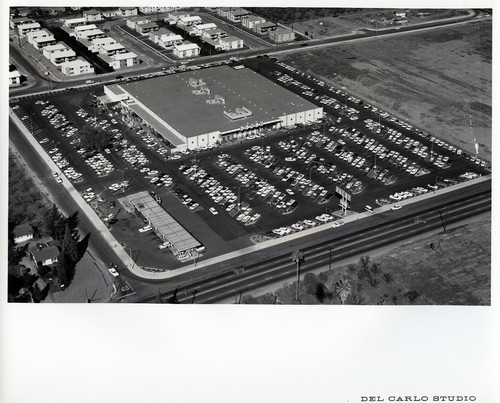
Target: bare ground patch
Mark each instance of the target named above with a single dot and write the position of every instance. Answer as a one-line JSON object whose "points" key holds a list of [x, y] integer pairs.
{"points": [[449, 268], [435, 79]]}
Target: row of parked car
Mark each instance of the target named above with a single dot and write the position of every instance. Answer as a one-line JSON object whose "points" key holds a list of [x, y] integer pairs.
{"points": [[222, 195], [296, 182], [306, 224], [305, 150], [100, 164], [437, 158], [257, 184], [61, 123]]}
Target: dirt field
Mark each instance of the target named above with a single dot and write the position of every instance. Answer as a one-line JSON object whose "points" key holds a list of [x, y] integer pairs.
{"points": [[434, 79], [449, 268], [324, 25]]}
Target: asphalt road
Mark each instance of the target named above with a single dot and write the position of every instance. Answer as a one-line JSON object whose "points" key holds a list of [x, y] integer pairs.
{"points": [[42, 83], [142, 287], [269, 266]]}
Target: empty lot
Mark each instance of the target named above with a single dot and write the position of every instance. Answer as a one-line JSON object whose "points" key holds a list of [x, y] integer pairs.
{"points": [[435, 79]]}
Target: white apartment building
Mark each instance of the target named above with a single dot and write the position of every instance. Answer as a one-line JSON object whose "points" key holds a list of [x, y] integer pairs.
{"points": [[14, 78], [189, 21], [75, 22], [48, 50], [172, 40], [121, 60], [186, 50], [30, 36], [110, 50], [150, 10], [76, 67], [200, 28], [231, 42], [97, 43], [250, 21], [40, 42], [23, 29], [61, 56], [93, 15], [127, 11], [91, 34]]}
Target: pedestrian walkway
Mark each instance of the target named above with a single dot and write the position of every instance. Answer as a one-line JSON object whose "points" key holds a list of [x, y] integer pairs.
{"points": [[82, 204], [161, 275]]}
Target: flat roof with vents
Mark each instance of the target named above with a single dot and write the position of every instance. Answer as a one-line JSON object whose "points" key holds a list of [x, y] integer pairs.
{"points": [[171, 98], [165, 226]]}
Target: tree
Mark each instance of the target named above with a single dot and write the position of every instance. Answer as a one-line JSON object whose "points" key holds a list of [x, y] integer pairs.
{"points": [[16, 254], [94, 138], [387, 277], [55, 223], [69, 246], [412, 295], [365, 261], [342, 289], [72, 222], [65, 270], [173, 299], [82, 245], [40, 294], [375, 268]]}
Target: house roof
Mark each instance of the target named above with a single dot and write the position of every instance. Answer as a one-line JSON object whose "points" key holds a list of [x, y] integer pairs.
{"points": [[92, 12], [187, 46], [46, 253], [22, 229], [53, 48], [230, 39]]}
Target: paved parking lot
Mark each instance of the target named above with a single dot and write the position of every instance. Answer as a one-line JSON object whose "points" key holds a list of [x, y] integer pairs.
{"points": [[271, 184]]}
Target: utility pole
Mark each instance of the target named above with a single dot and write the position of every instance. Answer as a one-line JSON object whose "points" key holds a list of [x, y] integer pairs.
{"points": [[297, 258], [330, 258]]}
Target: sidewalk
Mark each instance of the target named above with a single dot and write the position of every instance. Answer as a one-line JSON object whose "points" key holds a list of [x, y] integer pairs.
{"points": [[86, 209], [161, 275]]}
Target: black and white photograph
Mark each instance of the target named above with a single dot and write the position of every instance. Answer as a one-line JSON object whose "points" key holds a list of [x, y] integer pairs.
{"points": [[244, 158]]}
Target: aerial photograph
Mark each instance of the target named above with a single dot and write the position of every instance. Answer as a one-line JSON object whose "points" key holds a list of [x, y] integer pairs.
{"points": [[257, 155]]}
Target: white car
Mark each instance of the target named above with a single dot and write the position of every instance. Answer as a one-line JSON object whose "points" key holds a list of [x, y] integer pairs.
{"points": [[145, 229], [337, 224], [114, 272], [213, 210], [396, 207], [165, 245]]}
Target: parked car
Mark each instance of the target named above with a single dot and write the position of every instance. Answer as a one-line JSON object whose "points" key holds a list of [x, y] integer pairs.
{"points": [[145, 229], [114, 272]]}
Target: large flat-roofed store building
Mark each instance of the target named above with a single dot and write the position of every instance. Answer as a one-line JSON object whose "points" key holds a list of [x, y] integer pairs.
{"points": [[196, 109]]}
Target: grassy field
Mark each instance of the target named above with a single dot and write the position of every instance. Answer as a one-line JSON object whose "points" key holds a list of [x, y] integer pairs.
{"points": [[435, 79], [449, 268]]}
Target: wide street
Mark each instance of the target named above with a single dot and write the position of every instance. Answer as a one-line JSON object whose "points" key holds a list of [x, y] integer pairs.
{"points": [[223, 281], [272, 259], [42, 83]]}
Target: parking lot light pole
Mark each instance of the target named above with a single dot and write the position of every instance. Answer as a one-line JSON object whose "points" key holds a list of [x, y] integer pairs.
{"points": [[123, 180], [297, 258], [239, 198], [435, 183]]}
